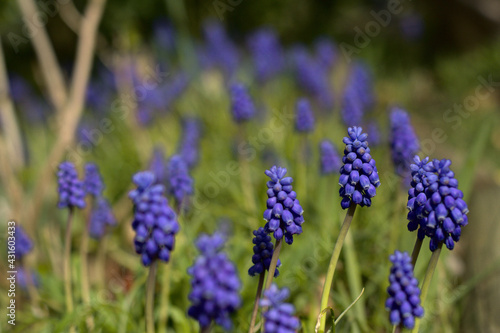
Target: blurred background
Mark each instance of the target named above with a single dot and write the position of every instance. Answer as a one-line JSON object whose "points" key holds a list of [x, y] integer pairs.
{"points": [[114, 87]]}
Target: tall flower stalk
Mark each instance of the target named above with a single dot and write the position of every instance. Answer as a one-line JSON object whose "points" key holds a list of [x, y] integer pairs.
{"points": [[358, 180]]}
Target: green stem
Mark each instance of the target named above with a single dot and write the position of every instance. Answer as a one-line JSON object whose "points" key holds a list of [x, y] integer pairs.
{"points": [[67, 263], [274, 262], [85, 270], [165, 291], [100, 264], [150, 293], [416, 251], [397, 328], [427, 280], [333, 263], [205, 329], [256, 303]]}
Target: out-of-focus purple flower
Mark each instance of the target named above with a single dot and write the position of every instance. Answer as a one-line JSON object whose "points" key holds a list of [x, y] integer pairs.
{"points": [[23, 243], [279, 315], [313, 78], [164, 34], [326, 52], [267, 54], [358, 176], [404, 141], [329, 158], [373, 131], [412, 26], [304, 116], [242, 106], [179, 180], [219, 50], [100, 218], [33, 108], [403, 302], [22, 278], [284, 212], [215, 284], [358, 95], [189, 145], [92, 182], [155, 223], [262, 253], [158, 166], [71, 190]]}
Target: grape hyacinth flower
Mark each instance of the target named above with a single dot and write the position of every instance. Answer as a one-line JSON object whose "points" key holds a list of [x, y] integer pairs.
{"points": [[330, 159], [158, 166], [155, 223], [71, 190], [263, 251], [219, 50], [101, 217], [23, 243], [284, 212], [242, 106], [417, 197], [189, 145], [312, 77], [404, 141], [267, 54], [358, 176], [179, 180], [403, 302], [22, 278], [92, 182], [304, 119], [326, 52], [279, 317], [358, 95], [215, 284]]}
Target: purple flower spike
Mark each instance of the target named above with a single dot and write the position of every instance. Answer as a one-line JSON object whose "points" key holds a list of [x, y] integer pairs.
{"points": [[358, 176], [403, 302], [242, 106], [23, 243], [279, 315], [101, 217], [404, 141], [330, 159], [93, 181], [304, 119], [263, 251], [158, 166], [215, 284], [358, 96], [267, 54], [71, 189], [155, 223], [282, 206], [180, 182], [189, 146]]}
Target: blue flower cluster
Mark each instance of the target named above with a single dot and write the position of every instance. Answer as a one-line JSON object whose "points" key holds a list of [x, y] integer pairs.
{"points": [[101, 217], [279, 317], [242, 106], [219, 51], [326, 52], [304, 116], [92, 182], [404, 141], [215, 284], [284, 212], [403, 302], [330, 159], [358, 176], [22, 276], [155, 223], [313, 78], [179, 180], [417, 197], [23, 243], [267, 54], [444, 212], [158, 166], [188, 147], [263, 252], [71, 190], [358, 95]]}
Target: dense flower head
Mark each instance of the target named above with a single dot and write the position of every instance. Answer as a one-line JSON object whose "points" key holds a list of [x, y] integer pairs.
{"points": [[155, 223], [279, 315], [262, 253], [304, 116], [330, 160], [71, 189], [23, 243], [284, 212], [358, 95], [242, 106], [267, 54], [444, 212], [92, 182], [403, 302], [404, 141], [326, 52], [101, 217], [358, 176], [189, 145], [180, 183], [158, 166], [417, 197], [215, 284], [219, 51]]}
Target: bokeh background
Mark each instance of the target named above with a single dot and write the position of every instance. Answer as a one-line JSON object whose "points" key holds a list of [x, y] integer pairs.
{"points": [[430, 59]]}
